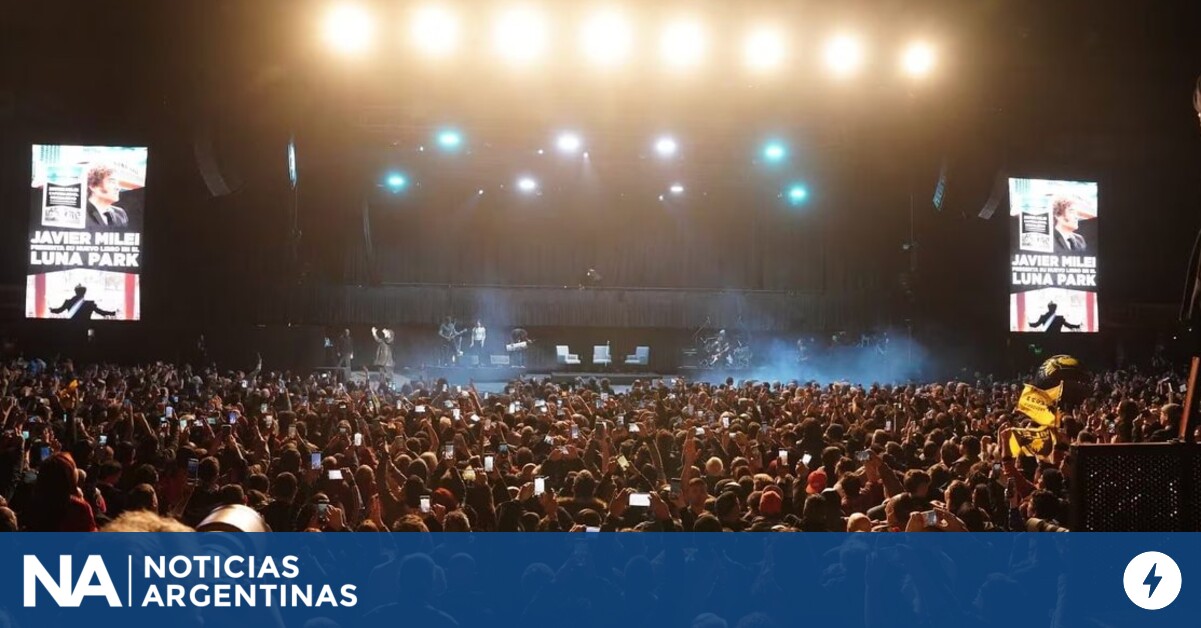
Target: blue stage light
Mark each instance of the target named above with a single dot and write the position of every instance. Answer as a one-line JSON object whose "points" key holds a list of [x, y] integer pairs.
{"points": [[797, 194], [775, 151], [396, 182], [449, 139]]}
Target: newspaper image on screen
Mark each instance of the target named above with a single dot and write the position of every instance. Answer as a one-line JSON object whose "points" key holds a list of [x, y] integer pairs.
{"points": [[1053, 256], [85, 232]]}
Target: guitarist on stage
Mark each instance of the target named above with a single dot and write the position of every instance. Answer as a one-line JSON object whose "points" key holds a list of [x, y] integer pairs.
{"points": [[453, 341]]}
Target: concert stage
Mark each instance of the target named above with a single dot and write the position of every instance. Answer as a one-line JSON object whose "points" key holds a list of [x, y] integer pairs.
{"points": [[462, 376], [615, 378], [492, 379], [454, 376]]}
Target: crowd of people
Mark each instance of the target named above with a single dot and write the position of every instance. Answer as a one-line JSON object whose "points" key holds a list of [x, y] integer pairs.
{"points": [[171, 447]]}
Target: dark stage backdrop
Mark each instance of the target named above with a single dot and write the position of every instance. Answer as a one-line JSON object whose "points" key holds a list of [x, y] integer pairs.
{"points": [[559, 307], [722, 240]]}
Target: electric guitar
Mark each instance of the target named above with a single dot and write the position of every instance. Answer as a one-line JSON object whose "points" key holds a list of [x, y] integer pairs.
{"points": [[453, 337]]}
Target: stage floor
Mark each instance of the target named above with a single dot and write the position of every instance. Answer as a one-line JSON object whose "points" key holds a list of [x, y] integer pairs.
{"points": [[493, 379]]}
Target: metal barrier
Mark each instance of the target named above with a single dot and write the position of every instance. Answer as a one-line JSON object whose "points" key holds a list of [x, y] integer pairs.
{"points": [[1140, 487]]}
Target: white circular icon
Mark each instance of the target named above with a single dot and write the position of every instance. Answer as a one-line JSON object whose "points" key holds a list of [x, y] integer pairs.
{"points": [[1152, 580]]}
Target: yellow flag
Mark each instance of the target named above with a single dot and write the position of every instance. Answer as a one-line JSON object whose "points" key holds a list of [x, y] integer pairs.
{"points": [[1038, 442], [1038, 404]]}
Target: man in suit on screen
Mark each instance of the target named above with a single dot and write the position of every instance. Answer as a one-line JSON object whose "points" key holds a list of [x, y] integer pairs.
{"points": [[1057, 321], [104, 189], [1066, 215], [80, 309]]}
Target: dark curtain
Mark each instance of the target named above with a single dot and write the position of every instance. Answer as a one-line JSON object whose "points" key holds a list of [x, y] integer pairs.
{"points": [[569, 307], [551, 242]]}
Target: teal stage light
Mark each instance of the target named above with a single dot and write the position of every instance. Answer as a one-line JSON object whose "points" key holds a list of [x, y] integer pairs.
{"points": [[450, 139], [797, 194], [775, 152]]}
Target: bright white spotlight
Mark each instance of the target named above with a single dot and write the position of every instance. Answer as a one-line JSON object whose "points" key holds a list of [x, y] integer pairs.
{"points": [[666, 147], [676, 189], [918, 59], [348, 29], [764, 49], [435, 31], [520, 35], [683, 45], [844, 55], [606, 38], [568, 142], [527, 185]]}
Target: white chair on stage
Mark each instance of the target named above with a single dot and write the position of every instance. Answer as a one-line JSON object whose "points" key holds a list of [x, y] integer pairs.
{"points": [[564, 356], [600, 355], [641, 357]]}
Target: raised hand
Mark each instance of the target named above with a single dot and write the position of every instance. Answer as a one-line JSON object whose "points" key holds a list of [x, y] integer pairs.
{"points": [[336, 518], [659, 508], [550, 505], [619, 504], [691, 450]]}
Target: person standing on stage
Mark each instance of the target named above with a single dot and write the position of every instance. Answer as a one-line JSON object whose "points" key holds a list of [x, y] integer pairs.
{"points": [[519, 336], [344, 347], [449, 332], [383, 352], [479, 334]]}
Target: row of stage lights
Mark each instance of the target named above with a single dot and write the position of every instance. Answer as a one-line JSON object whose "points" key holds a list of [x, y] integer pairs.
{"points": [[521, 36], [570, 143]]}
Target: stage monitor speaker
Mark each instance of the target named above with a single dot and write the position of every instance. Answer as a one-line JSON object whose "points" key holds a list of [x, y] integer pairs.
{"points": [[500, 360], [1137, 487]]}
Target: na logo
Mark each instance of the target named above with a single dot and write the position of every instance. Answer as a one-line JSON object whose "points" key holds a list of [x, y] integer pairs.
{"points": [[93, 581]]}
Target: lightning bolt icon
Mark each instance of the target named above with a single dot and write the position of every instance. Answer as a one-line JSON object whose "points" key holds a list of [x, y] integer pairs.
{"points": [[1152, 580]]}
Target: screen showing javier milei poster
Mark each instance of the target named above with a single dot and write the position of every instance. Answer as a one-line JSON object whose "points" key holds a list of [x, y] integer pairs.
{"points": [[1053, 253], [85, 232]]}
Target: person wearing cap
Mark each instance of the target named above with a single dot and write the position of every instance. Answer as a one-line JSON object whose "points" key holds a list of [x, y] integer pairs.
{"points": [[817, 481], [771, 505]]}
